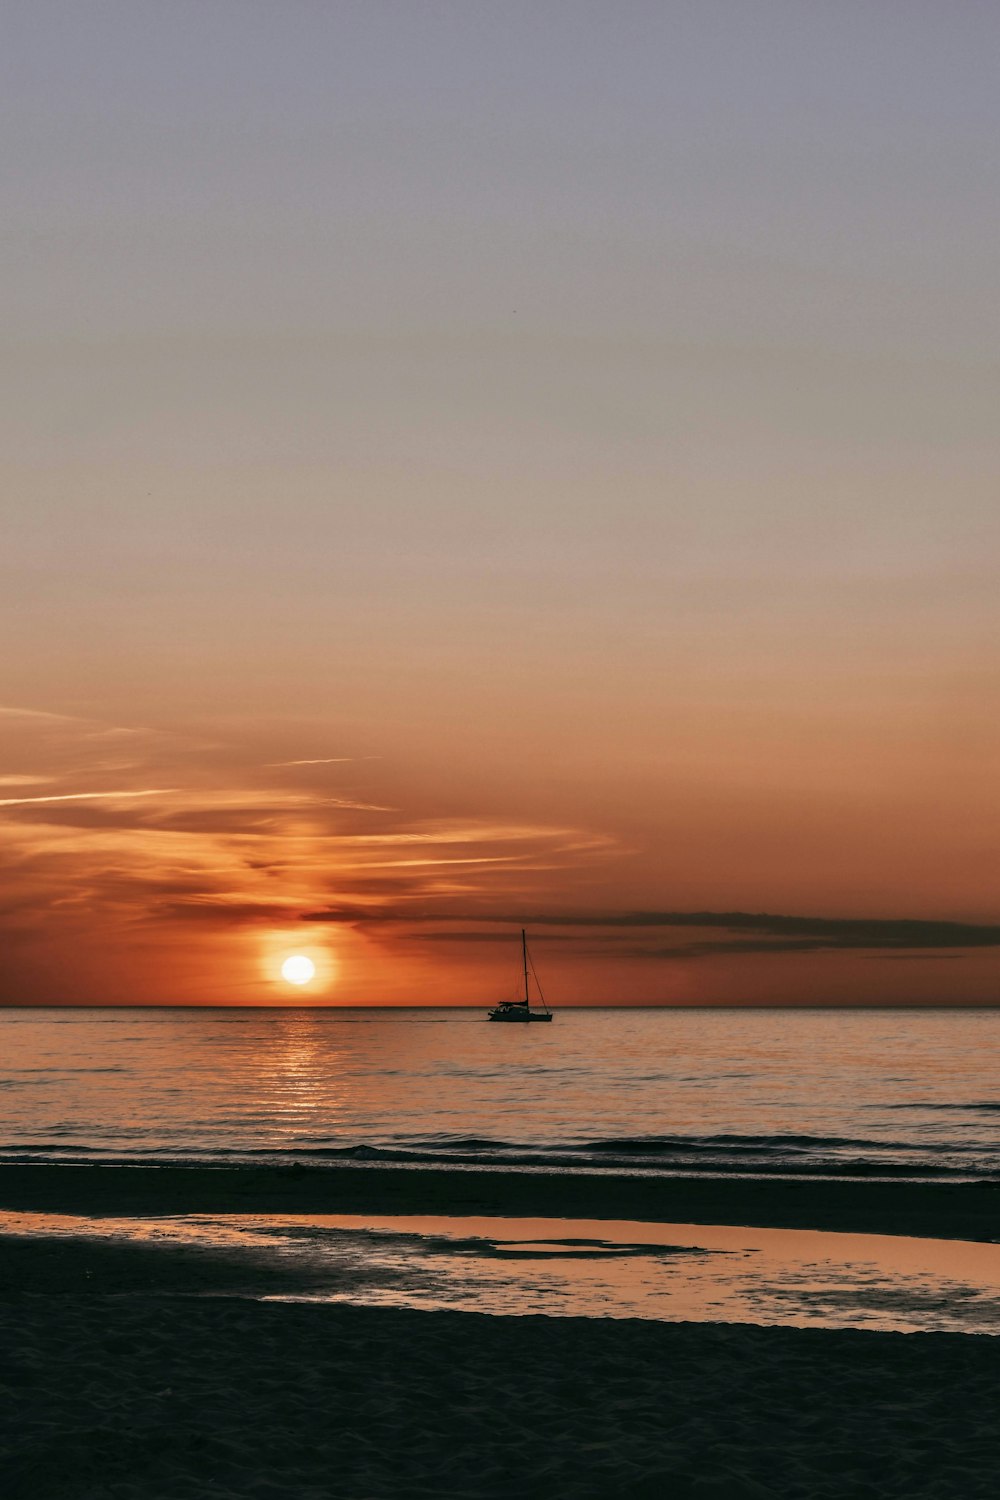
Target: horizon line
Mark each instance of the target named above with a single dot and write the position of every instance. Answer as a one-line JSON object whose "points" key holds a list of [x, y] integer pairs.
{"points": [[907, 1005]]}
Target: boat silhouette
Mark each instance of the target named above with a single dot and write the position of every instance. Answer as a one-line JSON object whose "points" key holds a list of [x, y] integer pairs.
{"points": [[520, 1011]]}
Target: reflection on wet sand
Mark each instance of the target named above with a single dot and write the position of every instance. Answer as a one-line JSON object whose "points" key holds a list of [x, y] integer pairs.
{"points": [[583, 1268]]}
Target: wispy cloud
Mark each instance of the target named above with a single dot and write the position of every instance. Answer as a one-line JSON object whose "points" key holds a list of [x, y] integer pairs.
{"points": [[83, 796], [322, 760], [473, 831], [349, 802], [15, 711], [182, 834], [226, 912]]}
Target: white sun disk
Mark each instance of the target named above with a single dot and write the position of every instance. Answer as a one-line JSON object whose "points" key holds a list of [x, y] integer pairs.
{"points": [[298, 969]]}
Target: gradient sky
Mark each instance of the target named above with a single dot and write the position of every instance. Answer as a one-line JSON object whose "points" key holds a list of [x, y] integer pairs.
{"points": [[473, 464]]}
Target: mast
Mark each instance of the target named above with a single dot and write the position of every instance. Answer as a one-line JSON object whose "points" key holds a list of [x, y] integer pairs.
{"points": [[524, 960]]}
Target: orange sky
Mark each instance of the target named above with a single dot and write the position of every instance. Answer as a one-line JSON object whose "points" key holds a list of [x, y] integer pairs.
{"points": [[147, 865], [463, 468]]}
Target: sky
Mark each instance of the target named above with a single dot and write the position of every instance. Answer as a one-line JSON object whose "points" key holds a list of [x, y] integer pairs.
{"points": [[473, 466]]}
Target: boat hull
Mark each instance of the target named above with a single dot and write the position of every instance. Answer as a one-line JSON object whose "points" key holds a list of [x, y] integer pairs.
{"points": [[521, 1018]]}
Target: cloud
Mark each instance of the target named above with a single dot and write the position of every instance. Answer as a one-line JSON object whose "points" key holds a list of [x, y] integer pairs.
{"points": [[225, 912], [14, 711], [774, 932], [352, 806], [740, 932], [323, 760], [82, 797], [178, 831], [109, 816], [262, 821], [497, 937]]}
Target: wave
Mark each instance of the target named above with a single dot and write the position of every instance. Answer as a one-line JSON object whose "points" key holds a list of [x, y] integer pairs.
{"points": [[720, 1155], [724, 1142], [981, 1106]]}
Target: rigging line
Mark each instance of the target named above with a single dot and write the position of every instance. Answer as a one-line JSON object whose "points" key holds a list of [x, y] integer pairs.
{"points": [[538, 983]]}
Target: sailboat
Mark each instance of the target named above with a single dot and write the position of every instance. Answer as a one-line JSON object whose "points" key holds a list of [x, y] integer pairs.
{"points": [[520, 1010]]}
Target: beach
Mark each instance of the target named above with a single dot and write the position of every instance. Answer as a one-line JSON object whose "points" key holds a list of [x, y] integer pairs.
{"points": [[299, 1256], [154, 1370], [164, 1395]]}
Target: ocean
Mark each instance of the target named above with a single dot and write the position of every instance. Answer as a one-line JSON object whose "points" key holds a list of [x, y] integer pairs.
{"points": [[832, 1093]]}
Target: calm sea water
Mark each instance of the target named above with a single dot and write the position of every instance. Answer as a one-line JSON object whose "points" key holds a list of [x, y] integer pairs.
{"points": [[881, 1093]]}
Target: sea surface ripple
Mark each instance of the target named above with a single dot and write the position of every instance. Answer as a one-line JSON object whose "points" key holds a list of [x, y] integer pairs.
{"points": [[836, 1093]]}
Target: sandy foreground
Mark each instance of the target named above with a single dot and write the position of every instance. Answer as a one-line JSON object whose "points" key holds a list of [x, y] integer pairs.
{"points": [[118, 1395], [140, 1370]]}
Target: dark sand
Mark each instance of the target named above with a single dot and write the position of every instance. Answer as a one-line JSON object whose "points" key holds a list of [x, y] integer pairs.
{"points": [[149, 1371], [163, 1396], [937, 1210]]}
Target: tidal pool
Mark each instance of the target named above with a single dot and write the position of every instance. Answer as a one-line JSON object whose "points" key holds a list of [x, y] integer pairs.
{"points": [[582, 1267]]}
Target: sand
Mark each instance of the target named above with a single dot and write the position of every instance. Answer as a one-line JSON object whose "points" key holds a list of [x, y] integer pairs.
{"points": [[944, 1210], [149, 1372], [161, 1396]]}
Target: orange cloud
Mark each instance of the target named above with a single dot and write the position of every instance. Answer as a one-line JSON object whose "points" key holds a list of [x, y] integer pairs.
{"points": [[227, 846]]}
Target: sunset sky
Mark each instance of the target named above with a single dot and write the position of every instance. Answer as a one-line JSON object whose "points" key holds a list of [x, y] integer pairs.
{"points": [[480, 464]]}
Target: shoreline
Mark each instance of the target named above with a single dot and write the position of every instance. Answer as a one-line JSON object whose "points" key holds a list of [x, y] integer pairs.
{"points": [[151, 1369], [935, 1210]]}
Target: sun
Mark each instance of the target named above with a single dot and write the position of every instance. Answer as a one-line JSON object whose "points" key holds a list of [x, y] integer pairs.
{"points": [[293, 960], [298, 969]]}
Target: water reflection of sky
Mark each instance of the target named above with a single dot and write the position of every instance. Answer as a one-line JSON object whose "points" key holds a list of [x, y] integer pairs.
{"points": [[763, 1093], [589, 1268]]}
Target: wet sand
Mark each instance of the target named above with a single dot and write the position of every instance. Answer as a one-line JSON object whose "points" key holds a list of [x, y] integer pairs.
{"points": [[942, 1210], [583, 1268]]}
